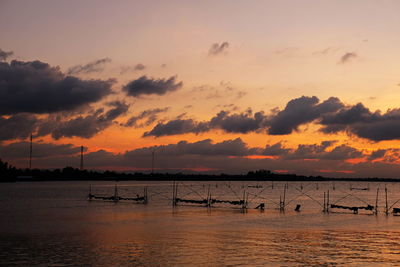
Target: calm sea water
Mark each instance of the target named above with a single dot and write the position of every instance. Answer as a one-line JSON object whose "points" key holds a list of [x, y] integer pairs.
{"points": [[52, 224]]}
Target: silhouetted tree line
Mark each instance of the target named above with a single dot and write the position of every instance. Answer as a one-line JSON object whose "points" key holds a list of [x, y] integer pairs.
{"points": [[9, 173]]}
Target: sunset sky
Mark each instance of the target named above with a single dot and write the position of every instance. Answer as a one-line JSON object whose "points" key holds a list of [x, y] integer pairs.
{"points": [[305, 87]]}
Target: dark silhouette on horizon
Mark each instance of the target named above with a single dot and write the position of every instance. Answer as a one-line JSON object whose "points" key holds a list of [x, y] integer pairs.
{"points": [[9, 173]]}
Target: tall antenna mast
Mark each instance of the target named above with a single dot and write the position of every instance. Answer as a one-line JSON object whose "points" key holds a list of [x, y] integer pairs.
{"points": [[81, 158], [30, 152]]}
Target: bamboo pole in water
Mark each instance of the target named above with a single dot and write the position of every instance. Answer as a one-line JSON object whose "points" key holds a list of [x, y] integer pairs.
{"points": [[327, 202], [284, 198], [376, 201], [386, 202], [174, 194]]}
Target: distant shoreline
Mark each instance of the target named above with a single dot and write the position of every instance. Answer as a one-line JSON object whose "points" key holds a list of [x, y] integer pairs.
{"points": [[9, 173]]}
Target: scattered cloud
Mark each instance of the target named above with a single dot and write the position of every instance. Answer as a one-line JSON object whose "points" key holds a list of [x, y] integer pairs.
{"points": [[217, 49], [176, 127], [149, 86], [348, 57], [137, 67], [91, 67], [287, 51], [84, 126], [147, 117], [326, 51]]}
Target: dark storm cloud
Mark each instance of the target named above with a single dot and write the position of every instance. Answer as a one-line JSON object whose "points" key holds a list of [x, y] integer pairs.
{"points": [[235, 147], [36, 87], [83, 126], [319, 151], [360, 121], [94, 66], [331, 114], [149, 86], [238, 123], [4, 55], [217, 48], [380, 153], [347, 57], [229, 156], [147, 117], [300, 111], [232, 123], [276, 149], [178, 126], [17, 126], [41, 150]]}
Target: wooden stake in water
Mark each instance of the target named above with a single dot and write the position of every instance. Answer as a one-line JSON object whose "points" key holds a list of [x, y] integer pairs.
{"points": [[208, 196], [327, 202], [284, 197], [115, 193], [386, 202], [173, 194], [376, 201], [145, 195]]}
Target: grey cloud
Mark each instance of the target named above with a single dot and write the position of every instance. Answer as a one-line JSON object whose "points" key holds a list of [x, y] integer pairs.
{"points": [[331, 114], [238, 123], [300, 111], [94, 66], [18, 126], [36, 87], [137, 67], [41, 150], [343, 152], [140, 66], [4, 55], [276, 149], [233, 123], [178, 126], [380, 153], [149, 86], [234, 147], [347, 57], [228, 156], [217, 48], [148, 117], [319, 151], [83, 126], [360, 121]]}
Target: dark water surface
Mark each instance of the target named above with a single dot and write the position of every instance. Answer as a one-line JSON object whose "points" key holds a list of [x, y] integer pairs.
{"points": [[52, 224]]}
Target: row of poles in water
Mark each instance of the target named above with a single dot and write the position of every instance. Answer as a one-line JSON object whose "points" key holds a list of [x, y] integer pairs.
{"points": [[244, 201]]}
